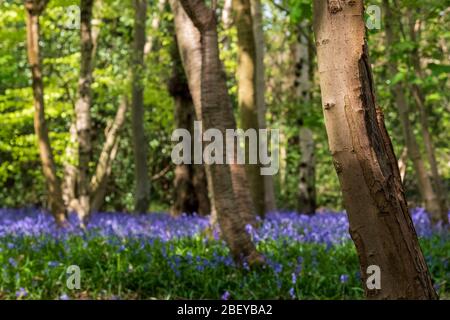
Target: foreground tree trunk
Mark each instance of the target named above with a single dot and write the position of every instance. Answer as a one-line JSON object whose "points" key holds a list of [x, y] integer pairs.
{"points": [[380, 224], [82, 110], [246, 77], [34, 9], [260, 80], [142, 188], [232, 200], [429, 196]]}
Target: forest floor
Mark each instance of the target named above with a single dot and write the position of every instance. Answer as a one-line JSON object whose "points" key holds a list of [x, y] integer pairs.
{"points": [[124, 256]]}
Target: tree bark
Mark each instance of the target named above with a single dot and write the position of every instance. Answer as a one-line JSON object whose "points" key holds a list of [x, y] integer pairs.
{"points": [[302, 86], [380, 224], [190, 186], [82, 110], [232, 199], [189, 46], [307, 173], [260, 80], [34, 9], [428, 195], [107, 156], [247, 96], [142, 188]]}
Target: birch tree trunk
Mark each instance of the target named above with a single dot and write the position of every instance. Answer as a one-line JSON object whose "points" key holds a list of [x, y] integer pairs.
{"points": [[380, 224], [142, 187], [82, 110], [247, 96], [428, 194], [302, 86], [260, 79], [232, 200], [34, 9]]}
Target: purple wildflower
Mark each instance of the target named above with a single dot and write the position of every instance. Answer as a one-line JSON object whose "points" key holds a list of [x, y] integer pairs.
{"points": [[226, 295]]}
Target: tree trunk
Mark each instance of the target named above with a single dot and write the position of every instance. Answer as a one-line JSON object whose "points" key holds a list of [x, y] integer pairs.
{"points": [[82, 110], [189, 46], [107, 156], [428, 195], [423, 116], [151, 41], [380, 224], [246, 77], [260, 80], [403, 163], [307, 173], [302, 86], [70, 169], [56, 203], [232, 200], [142, 188], [190, 187]]}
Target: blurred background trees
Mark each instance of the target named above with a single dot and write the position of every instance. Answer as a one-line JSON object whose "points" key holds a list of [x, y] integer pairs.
{"points": [[419, 54]]}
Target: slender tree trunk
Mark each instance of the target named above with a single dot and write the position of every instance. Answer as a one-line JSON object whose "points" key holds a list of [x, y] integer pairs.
{"points": [[189, 46], [269, 191], [151, 41], [82, 110], [428, 195], [423, 116], [142, 188], [200, 183], [98, 197], [302, 86], [380, 224], [56, 203], [99, 180], [247, 96], [232, 200], [402, 163], [70, 169], [307, 173]]}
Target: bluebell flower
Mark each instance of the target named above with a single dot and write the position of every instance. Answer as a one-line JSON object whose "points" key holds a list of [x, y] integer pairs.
{"points": [[64, 297], [21, 293], [344, 278], [12, 262], [292, 293], [226, 295]]}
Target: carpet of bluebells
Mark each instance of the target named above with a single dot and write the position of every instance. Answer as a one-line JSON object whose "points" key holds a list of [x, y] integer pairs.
{"points": [[155, 256]]}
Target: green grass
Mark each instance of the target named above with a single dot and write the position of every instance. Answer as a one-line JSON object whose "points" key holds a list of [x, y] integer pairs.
{"points": [[134, 269]]}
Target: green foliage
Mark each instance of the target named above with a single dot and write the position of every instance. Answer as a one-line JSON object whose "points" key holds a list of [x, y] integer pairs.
{"points": [[112, 268]]}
